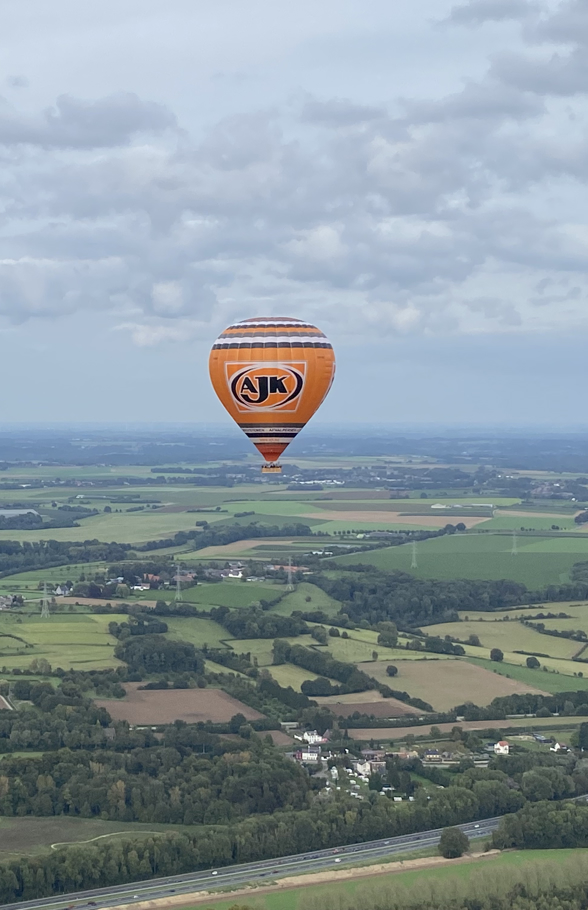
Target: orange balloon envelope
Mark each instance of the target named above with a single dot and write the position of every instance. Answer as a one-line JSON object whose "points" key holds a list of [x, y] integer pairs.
{"points": [[272, 373]]}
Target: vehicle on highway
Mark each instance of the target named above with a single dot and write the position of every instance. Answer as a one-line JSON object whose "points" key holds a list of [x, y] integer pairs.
{"points": [[214, 873], [337, 860]]}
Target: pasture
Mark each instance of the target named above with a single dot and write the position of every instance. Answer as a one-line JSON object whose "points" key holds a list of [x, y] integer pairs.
{"points": [[508, 636], [146, 707], [71, 641], [539, 560]]}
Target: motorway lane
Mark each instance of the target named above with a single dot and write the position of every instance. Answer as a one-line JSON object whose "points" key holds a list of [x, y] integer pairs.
{"points": [[161, 888]]}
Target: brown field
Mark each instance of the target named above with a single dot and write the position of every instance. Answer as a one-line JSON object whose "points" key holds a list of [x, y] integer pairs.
{"points": [[384, 734], [145, 707], [388, 707], [518, 514], [447, 683], [397, 518], [240, 546], [358, 494], [366, 703]]}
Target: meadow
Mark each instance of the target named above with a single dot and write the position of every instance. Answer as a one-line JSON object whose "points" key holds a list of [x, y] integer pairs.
{"points": [[538, 561], [71, 641]]}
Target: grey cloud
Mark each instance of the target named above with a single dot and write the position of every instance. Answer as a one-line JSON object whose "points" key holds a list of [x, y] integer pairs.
{"points": [[339, 112], [399, 219], [568, 23], [17, 81], [476, 12], [74, 123], [480, 101], [559, 74]]}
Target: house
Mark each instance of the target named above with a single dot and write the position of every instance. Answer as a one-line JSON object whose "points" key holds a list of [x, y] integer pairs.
{"points": [[373, 754], [432, 755], [559, 747], [501, 748], [308, 753], [362, 768], [312, 737], [377, 767]]}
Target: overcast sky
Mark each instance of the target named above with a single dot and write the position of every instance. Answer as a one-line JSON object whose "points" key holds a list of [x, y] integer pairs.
{"points": [[408, 175]]}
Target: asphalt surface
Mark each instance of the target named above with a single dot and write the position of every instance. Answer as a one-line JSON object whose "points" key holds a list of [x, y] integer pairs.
{"points": [[232, 876]]}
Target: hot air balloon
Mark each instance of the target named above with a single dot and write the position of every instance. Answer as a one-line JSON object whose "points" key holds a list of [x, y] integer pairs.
{"points": [[271, 374]]}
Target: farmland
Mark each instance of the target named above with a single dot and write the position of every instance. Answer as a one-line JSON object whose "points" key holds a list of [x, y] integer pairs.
{"points": [[156, 706], [538, 560]]}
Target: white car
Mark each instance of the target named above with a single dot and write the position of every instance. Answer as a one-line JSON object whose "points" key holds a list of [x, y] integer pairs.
{"points": [[214, 873], [337, 860]]}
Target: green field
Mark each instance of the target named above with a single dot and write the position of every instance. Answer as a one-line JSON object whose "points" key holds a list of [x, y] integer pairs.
{"points": [[549, 682], [508, 636], [31, 836], [539, 561], [77, 641], [197, 631]]}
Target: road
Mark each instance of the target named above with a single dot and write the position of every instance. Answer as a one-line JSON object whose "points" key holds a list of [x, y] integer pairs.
{"points": [[161, 888]]}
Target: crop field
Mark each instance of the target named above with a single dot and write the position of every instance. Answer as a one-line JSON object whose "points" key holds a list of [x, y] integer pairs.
{"points": [[371, 703], [520, 724], [539, 561], [74, 640], [146, 707], [447, 683]]}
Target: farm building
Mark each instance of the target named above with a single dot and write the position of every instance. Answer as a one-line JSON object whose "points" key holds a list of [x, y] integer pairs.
{"points": [[308, 753], [501, 748]]}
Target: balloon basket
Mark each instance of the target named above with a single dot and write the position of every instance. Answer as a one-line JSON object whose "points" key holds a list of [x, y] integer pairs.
{"points": [[271, 469]]}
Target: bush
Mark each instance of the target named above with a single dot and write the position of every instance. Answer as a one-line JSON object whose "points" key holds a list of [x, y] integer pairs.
{"points": [[453, 843], [496, 654], [391, 670]]}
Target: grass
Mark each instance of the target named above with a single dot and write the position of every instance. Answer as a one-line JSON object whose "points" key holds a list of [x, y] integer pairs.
{"points": [[307, 597], [540, 560], [197, 631], [32, 836], [549, 682], [66, 640], [508, 636], [232, 593]]}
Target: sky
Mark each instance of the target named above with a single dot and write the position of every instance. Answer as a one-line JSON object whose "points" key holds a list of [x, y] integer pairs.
{"points": [[410, 176]]}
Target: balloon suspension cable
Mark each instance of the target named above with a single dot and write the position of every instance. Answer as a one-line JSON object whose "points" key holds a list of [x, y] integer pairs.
{"points": [[274, 468]]}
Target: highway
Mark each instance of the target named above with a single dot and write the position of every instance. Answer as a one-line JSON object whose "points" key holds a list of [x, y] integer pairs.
{"points": [[271, 869]]}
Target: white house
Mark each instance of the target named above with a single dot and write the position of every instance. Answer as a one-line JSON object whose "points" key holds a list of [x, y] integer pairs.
{"points": [[501, 748], [312, 737]]}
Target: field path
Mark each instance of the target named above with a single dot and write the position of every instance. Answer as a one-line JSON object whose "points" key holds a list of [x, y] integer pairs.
{"points": [[76, 843]]}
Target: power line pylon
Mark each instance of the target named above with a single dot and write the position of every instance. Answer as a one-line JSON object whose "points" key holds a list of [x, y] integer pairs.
{"points": [[290, 585], [414, 564], [178, 597], [514, 549], [45, 614]]}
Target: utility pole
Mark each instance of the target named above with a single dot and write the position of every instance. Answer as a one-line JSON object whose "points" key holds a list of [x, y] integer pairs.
{"points": [[414, 564], [178, 597], [290, 585]]}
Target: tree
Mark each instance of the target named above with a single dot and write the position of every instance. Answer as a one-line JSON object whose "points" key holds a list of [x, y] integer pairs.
{"points": [[391, 670], [582, 735], [496, 654], [474, 640], [453, 843], [533, 663]]}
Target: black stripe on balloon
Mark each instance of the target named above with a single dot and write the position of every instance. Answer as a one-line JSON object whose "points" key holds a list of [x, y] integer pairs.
{"points": [[267, 344]]}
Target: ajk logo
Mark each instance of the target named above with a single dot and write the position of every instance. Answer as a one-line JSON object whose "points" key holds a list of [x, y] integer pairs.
{"points": [[266, 386]]}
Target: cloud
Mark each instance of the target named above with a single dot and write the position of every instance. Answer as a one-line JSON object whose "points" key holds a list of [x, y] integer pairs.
{"points": [[74, 123], [476, 12], [436, 216]]}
